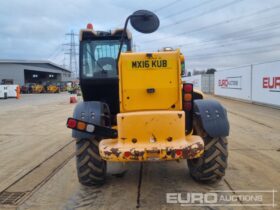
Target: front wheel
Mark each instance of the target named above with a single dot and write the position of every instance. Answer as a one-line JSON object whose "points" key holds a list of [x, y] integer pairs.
{"points": [[211, 166], [91, 168]]}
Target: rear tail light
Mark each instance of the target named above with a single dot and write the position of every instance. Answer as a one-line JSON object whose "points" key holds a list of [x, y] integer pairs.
{"points": [[187, 87], [81, 126], [127, 154], [187, 96], [187, 106], [71, 123], [187, 103], [90, 128], [97, 130], [179, 152]]}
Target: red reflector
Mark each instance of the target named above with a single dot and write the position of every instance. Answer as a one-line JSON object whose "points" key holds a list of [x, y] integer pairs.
{"points": [[187, 106], [179, 152], [90, 26], [72, 123], [188, 88], [127, 154]]}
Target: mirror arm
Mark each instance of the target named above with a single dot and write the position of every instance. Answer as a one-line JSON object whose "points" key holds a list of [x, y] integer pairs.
{"points": [[144, 16], [122, 40]]}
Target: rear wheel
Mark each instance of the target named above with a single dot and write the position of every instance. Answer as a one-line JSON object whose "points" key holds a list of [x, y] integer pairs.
{"points": [[91, 168], [211, 166]]}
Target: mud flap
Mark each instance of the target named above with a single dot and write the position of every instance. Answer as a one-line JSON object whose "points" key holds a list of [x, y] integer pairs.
{"points": [[91, 112], [213, 117]]}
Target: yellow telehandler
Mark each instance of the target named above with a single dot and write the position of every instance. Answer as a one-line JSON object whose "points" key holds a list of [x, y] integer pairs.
{"points": [[136, 108], [38, 88], [53, 88]]}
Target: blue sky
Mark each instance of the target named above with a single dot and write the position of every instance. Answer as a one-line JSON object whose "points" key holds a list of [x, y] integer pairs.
{"points": [[211, 33]]}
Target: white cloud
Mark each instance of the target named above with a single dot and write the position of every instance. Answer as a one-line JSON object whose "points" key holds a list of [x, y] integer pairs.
{"points": [[34, 29]]}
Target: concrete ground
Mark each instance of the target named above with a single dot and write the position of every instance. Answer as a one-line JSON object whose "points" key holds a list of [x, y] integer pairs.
{"points": [[37, 163]]}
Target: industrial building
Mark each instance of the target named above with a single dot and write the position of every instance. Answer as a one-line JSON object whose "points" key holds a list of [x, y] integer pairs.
{"points": [[27, 71]]}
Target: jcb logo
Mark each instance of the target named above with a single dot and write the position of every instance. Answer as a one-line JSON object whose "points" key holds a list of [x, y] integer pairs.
{"points": [[149, 64]]}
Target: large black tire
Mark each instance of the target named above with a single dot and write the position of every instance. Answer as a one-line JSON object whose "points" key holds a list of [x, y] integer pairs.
{"points": [[91, 168], [211, 166]]}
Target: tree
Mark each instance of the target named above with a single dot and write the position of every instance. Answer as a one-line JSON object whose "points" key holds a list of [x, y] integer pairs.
{"points": [[197, 72], [211, 71]]}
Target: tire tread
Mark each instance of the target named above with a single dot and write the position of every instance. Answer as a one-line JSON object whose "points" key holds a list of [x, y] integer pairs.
{"points": [[91, 168], [211, 166]]}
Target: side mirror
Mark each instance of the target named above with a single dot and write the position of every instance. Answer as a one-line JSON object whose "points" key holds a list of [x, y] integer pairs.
{"points": [[144, 21]]}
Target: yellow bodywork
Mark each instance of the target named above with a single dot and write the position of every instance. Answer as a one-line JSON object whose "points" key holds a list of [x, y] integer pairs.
{"points": [[151, 135], [52, 89], [151, 125], [150, 81], [38, 88]]}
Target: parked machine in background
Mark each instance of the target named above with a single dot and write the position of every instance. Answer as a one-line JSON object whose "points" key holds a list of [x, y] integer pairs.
{"points": [[27, 88], [53, 87], [3, 91], [47, 87], [136, 108], [12, 91], [38, 88], [9, 91], [62, 86], [73, 87], [5, 88]]}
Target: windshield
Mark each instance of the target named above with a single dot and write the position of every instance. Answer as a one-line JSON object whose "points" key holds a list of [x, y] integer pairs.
{"points": [[99, 58]]}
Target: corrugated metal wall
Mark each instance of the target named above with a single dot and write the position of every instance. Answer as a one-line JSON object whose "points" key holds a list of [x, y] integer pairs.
{"points": [[16, 72], [12, 71], [207, 83], [203, 82]]}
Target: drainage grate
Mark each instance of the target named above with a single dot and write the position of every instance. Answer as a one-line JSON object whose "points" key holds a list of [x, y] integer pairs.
{"points": [[11, 198]]}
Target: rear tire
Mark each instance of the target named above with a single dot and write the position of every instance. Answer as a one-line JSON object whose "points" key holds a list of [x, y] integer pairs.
{"points": [[211, 166], [91, 168]]}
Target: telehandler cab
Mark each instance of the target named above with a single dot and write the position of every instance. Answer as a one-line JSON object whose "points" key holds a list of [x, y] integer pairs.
{"points": [[136, 108]]}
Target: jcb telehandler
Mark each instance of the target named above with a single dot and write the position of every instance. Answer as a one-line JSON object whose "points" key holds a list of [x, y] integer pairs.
{"points": [[136, 108]]}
